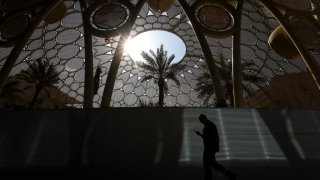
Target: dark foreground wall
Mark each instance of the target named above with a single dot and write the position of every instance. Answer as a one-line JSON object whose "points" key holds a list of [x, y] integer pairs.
{"points": [[138, 143]]}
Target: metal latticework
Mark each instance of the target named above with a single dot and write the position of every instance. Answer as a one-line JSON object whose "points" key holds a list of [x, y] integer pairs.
{"points": [[63, 43]]}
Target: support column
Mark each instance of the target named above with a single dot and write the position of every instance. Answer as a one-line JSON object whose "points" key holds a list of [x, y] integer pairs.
{"points": [[214, 73], [88, 78], [108, 89], [236, 60]]}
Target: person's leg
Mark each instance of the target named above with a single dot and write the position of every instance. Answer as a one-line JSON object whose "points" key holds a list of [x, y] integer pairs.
{"points": [[207, 165], [222, 169], [230, 175], [218, 166]]}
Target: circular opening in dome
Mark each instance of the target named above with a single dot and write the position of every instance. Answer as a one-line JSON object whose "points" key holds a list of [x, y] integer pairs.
{"points": [[152, 40]]}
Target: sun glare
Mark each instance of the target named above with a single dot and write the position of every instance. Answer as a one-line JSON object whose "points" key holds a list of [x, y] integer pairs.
{"points": [[151, 40], [128, 46]]}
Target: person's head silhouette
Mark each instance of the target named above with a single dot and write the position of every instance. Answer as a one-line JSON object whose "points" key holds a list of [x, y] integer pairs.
{"points": [[203, 118]]}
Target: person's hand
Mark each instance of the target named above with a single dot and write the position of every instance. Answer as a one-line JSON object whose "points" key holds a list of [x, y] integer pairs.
{"points": [[197, 133]]}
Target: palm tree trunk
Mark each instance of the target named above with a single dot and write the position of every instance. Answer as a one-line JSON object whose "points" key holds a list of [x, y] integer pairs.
{"points": [[36, 94], [161, 91]]}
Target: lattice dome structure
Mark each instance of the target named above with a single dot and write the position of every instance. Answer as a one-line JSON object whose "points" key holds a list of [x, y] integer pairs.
{"points": [[240, 30]]}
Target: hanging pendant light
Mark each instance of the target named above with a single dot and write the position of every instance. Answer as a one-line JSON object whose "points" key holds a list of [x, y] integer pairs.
{"points": [[160, 5], [306, 30], [281, 43]]}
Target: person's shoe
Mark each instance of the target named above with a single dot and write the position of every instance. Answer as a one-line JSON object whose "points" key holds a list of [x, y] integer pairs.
{"points": [[231, 175]]}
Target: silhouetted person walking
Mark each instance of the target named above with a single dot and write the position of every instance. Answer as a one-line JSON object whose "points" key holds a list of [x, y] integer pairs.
{"points": [[210, 138]]}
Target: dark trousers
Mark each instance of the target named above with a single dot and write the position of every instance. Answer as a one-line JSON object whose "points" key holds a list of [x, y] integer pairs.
{"points": [[209, 161]]}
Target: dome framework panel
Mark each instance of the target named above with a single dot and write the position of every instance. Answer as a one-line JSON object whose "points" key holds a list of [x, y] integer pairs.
{"points": [[52, 41]]}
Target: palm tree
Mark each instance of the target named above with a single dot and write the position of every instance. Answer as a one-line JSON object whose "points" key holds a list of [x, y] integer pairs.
{"points": [[11, 94], [160, 69], [42, 74], [143, 103], [249, 75]]}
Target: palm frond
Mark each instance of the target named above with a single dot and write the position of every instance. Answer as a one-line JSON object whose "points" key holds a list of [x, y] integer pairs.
{"points": [[247, 90], [147, 67], [43, 71], [160, 55], [249, 74], [222, 62], [165, 88], [169, 61], [205, 91], [53, 77], [254, 78], [145, 78], [154, 56], [142, 103], [204, 66], [172, 76], [204, 78], [27, 76], [247, 64], [164, 61], [177, 67], [206, 100], [149, 60], [225, 75], [250, 70], [11, 87]]}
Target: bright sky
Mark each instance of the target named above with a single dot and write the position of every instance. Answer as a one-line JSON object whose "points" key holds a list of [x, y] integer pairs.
{"points": [[152, 40]]}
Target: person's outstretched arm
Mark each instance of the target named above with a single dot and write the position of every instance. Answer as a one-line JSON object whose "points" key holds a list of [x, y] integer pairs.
{"points": [[198, 133]]}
